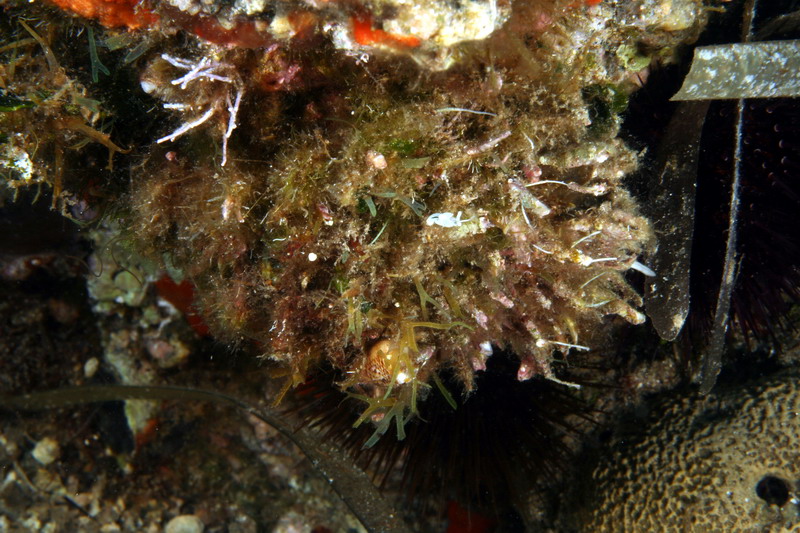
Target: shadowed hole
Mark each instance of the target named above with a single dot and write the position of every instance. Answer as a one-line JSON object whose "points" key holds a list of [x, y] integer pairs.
{"points": [[773, 490]]}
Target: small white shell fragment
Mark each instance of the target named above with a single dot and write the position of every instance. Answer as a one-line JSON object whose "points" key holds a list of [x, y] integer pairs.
{"points": [[486, 348], [90, 367], [148, 86], [46, 451], [445, 220], [186, 523], [376, 160]]}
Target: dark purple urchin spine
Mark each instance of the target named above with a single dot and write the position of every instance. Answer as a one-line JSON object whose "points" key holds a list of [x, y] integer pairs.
{"points": [[768, 278], [485, 451]]}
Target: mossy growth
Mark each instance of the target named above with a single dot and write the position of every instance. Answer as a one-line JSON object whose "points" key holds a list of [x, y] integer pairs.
{"points": [[391, 221], [49, 118]]}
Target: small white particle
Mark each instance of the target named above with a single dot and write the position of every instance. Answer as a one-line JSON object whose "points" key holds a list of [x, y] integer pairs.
{"points": [[312, 256], [90, 367], [147, 86], [46, 451], [376, 160]]}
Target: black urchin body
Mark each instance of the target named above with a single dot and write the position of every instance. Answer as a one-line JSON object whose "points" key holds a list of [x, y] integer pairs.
{"points": [[768, 278], [498, 443]]}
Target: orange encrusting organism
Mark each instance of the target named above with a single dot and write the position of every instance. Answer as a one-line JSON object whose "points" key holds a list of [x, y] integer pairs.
{"points": [[245, 34], [112, 13], [365, 34], [578, 3]]}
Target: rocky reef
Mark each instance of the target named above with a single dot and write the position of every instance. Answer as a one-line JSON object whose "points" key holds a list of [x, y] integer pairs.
{"points": [[397, 205], [386, 192]]}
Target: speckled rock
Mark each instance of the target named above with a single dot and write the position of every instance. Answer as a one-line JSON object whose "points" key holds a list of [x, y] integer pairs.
{"points": [[729, 461]]}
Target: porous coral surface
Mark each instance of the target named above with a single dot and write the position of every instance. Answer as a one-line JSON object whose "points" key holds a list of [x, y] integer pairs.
{"points": [[727, 461]]}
